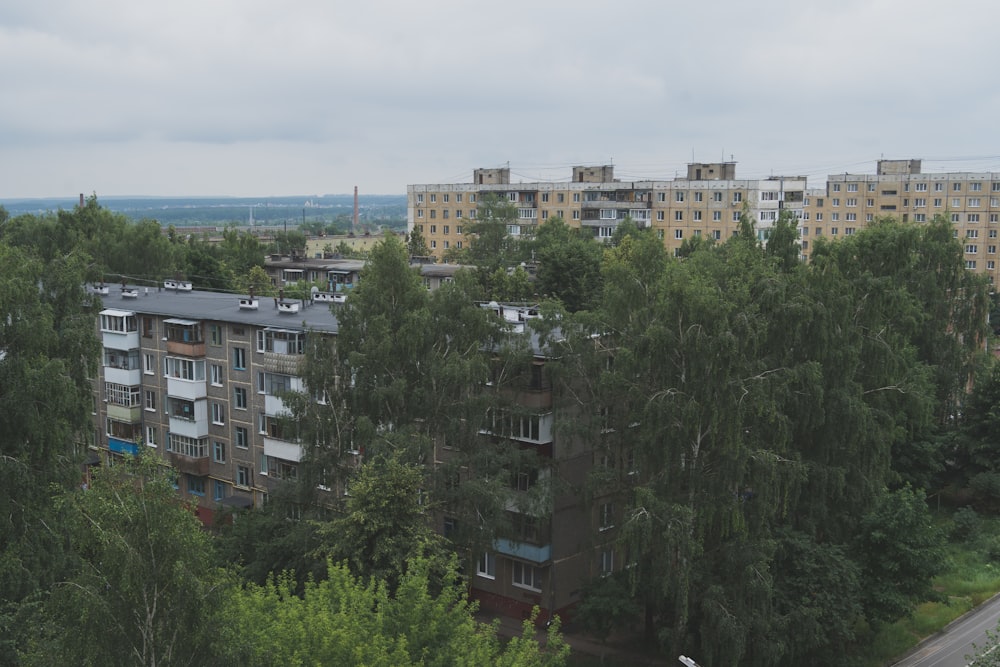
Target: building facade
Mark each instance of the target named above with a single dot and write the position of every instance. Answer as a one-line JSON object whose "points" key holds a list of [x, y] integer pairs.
{"points": [[708, 201], [969, 200], [197, 377]]}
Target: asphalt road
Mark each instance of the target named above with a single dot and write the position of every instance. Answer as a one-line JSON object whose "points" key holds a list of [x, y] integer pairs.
{"points": [[949, 648]]}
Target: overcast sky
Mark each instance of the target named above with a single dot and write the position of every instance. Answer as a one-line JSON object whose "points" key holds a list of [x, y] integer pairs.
{"points": [[252, 98]]}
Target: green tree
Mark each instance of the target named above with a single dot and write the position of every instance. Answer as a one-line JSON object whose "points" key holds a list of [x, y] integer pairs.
{"points": [[48, 350], [416, 245], [569, 265], [147, 589], [384, 525], [346, 620], [900, 550]]}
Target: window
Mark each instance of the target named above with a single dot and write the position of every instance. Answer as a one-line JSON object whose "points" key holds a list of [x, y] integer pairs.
{"points": [[445, 198], [869, 202], [678, 233], [835, 217], [920, 202], [196, 485], [679, 216], [526, 576], [242, 476], [182, 368], [717, 235], [659, 216], [150, 400], [973, 234], [835, 201], [697, 196], [219, 451], [697, 216], [147, 326], [834, 231], [215, 334], [717, 196], [434, 215], [149, 364], [445, 229], [217, 375], [607, 516], [852, 187], [957, 187], [487, 566], [240, 358], [606, 562], [444, 214], [716, 216], [218, 490], [836, 187], [242, 441], [972, 202], [851, 201], [679, 196], [973, 217], [920, 187], [970, 264], [434, 198], [971, 249], [218, 414], [661, 196], [151, 438], [937, 202], [420, 198], [240, 398]]}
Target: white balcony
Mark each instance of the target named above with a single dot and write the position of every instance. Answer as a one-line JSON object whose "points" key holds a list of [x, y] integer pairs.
{"points": [[282, 449], [125, 376], [191, 428], [192, 390]]}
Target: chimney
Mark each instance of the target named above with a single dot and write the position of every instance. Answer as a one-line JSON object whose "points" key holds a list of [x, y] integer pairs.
{"points": [[81, 200], [354, 220]]}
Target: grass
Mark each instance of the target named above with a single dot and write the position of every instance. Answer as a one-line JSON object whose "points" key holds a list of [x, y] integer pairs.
{"points": [[971, 577]]}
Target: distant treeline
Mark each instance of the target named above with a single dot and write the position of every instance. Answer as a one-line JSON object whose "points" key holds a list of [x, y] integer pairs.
{"points": [[387, 210]]}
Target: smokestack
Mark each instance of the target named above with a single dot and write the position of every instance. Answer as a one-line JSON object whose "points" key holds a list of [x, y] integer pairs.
{"points": [[354, 220], [81, 200]]}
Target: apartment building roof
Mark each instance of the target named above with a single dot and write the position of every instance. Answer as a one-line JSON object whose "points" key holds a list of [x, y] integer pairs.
{"points": [[219, 307]]}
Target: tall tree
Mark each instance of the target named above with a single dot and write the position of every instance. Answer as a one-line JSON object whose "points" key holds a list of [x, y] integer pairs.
{"points": [[147, 590], [569, 265], [48, 350]]}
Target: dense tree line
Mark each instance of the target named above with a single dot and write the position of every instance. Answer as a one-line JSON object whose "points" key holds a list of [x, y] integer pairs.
{"points": [[768, 429]]}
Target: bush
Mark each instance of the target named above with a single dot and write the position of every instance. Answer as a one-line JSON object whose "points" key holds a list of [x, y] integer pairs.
{"points": [[965, 523]]}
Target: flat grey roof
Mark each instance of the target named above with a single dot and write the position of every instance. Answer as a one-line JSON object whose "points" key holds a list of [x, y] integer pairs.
{"points": [[220, 307]]}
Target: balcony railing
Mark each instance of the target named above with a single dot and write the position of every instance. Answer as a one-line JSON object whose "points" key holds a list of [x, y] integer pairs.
{"points": [[188, 464], [530, 552]]}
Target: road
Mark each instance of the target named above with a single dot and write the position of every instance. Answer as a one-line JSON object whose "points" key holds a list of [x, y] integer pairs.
{"points": [[949, 648]]}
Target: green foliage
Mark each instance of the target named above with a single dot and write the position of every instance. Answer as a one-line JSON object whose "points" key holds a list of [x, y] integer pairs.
{"points": [[384, 526], [146, 591], [49, 350], [965, 523], [346, 620], [606, 605], [900, 550], [569, 265], [416, 245]]}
